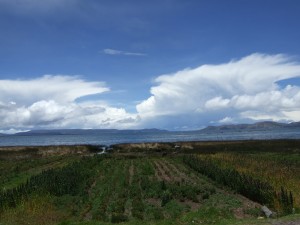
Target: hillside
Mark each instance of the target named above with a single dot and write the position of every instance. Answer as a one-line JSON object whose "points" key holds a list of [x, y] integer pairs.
{"points": [[83, 131], [266, 125], [250, 127]]}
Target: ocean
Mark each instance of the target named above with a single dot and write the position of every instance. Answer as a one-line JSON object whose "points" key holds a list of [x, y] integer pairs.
{"points": [[117, 137]]}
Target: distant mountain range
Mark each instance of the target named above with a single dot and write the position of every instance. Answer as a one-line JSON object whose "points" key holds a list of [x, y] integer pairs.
{"points": [[81, 131], [223, 128], [256, 126]]}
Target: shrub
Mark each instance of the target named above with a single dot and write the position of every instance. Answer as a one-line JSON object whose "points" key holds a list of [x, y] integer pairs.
{"points": [[118, 218]]}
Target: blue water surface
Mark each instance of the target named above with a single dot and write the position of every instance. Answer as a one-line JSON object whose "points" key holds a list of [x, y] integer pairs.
{"points": [[116, 137]]}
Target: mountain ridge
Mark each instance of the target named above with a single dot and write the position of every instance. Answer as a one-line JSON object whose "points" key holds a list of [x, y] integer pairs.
{"points": [[265, 125], [79, 131]]}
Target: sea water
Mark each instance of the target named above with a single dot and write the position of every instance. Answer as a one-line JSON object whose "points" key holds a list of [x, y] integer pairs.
{"points": [[116, 137]]}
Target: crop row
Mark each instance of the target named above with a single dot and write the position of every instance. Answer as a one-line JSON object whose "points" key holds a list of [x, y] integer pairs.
{"points": [[130, 188], [279, 169], [116, 189], [253, 188], [71, 179]]}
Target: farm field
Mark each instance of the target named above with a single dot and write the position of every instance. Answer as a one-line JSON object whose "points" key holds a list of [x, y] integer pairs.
{"points": [[147, 188], [277, 168]]}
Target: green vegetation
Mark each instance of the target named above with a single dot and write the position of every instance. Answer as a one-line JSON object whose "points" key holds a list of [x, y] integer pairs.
{"points": [[278, 168], [245, 184], [158, 187], [15, 172]]}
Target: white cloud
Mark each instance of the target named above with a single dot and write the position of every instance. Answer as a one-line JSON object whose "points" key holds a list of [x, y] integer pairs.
{"points": [[244, 89], [109, 51], [58, 88], [226, 120], [50, 102], [237, 91], [11, 131]]}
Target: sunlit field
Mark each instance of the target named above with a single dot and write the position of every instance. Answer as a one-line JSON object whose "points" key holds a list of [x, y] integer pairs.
{"points": [[151, 186]]}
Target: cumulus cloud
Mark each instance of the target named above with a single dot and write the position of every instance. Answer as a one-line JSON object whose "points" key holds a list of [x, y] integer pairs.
{"points": [[50, 102], [244, 89], [59, 88], [226, 120], [109, 51]]}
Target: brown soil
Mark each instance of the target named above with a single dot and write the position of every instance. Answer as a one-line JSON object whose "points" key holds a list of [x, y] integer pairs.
{"points": [[170, 170], [154, 202], [167, 171], [131, 173], [88, 215], [193, 205], [128, 209], [161, 173], [180, 176], [157, 173], [239, 213]]}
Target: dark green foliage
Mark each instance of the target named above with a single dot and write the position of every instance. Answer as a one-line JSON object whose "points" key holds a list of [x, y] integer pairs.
{"points": [[166, 197], [117, 189], [138, 208], [174, 209], [210, 147], [286, 200], [153, 213], [163, 185], [118, 218], [69, 180], [94, 148], [246, 185]]}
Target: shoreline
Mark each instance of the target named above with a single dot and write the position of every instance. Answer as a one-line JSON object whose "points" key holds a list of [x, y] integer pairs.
{"points": [[272, 145], [156, 142]]}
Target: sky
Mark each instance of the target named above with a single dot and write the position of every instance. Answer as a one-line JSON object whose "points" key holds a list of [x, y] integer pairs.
{"points": [[167, 64]]}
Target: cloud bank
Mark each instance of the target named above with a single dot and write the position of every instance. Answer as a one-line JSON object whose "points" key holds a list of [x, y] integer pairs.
{"points": [[50, 102], [237, 91], [59, 88], [244, 90]]}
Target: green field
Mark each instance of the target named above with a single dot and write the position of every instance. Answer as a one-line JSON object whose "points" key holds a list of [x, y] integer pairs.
{"points": [[151, 187]]}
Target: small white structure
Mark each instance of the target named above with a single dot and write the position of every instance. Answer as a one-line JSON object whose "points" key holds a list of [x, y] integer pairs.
{"points": [[266, 211], [105, 150], [177, 147]]}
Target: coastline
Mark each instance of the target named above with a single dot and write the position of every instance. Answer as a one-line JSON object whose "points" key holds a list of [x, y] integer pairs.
{"points": [[272, 145]]}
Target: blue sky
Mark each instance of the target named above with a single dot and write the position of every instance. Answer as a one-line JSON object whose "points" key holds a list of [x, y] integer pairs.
{"points": [[140, 64]]}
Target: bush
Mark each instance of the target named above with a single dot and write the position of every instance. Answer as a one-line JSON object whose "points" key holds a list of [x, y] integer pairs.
{"points": [[174, 209], [166, 197], [119, 218]]}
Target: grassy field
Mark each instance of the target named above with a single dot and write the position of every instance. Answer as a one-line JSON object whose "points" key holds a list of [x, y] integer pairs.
{"points": [[277, 168], [149, 187]]}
